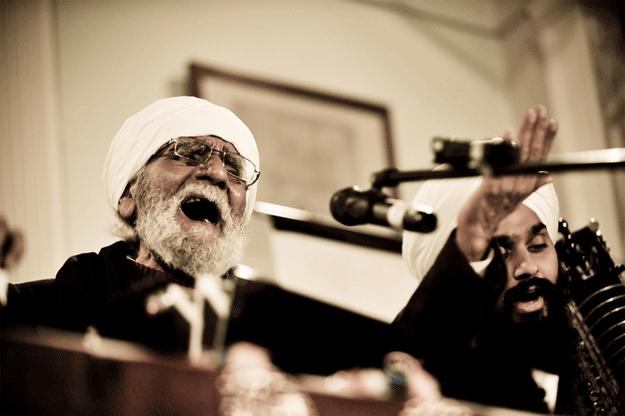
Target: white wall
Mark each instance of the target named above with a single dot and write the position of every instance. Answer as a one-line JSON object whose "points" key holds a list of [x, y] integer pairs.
{"points": [[32, 186], [550, 60], [115, 57]]}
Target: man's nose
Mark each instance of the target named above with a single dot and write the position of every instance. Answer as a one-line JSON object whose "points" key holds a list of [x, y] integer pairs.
{"points": [[213, 170], [525, 266]]}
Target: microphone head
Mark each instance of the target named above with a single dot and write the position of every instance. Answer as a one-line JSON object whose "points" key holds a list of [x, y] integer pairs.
{"points": [[350, 206]]}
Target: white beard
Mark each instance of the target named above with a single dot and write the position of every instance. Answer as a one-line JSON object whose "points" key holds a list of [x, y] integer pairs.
{"points": [[188, 251]]}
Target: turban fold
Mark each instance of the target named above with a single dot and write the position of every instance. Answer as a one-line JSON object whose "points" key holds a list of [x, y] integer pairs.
{"points": [[447, 197], [144, 133]]}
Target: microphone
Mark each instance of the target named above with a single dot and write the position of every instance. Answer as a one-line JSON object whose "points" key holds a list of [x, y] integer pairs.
{"points": [[352, 206]]}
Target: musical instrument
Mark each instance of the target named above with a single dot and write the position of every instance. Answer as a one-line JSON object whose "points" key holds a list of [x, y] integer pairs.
{"points": [[597, 311]]}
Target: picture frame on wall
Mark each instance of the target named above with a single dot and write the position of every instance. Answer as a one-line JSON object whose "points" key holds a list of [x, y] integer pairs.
{"points": [[312, 143]]}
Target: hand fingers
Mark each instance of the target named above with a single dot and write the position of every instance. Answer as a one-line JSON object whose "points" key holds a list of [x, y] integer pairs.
{"points": [[535, 137], [422, 386], [508, 135], [536, 134], [524, 137], [550, 135], [537, 140]]}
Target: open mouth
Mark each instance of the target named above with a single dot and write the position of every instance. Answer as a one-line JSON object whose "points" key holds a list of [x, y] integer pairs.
{"points": [[201, 209], [530, 299], [530, 294]]}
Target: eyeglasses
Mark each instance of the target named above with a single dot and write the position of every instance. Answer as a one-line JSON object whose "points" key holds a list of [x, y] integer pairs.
{"points": [[196, 152]]}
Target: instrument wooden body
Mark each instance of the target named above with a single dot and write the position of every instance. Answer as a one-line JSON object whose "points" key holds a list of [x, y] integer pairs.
{"points": [[597, 311]]}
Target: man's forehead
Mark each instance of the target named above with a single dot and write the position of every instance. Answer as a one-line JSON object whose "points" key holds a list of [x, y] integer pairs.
{"points": [[522, 233], [522, 223], [214, 139]]}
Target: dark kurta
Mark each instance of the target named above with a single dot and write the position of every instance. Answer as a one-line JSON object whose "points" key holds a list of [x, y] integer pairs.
{"points": [[108, 291], [105, 290]]}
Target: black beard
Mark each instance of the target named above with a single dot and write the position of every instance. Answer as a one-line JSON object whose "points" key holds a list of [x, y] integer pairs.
{"points": [[521, 292], [539, 340]]}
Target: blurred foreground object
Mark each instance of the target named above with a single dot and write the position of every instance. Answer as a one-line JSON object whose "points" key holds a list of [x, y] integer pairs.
{"points": [[57, 372], [11, 252], [11, 246], [250, 384]]}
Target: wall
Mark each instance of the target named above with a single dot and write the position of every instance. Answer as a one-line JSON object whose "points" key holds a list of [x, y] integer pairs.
{"points": [[116, 57], [32, 184], [550, 59]]}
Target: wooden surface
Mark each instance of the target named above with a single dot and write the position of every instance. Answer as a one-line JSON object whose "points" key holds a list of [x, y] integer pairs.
{"points": [[51, 372]]}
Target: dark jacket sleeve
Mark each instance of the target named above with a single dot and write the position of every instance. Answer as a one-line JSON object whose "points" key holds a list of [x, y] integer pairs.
{"points": [[106, 291], [450, 305], [67, 302]]}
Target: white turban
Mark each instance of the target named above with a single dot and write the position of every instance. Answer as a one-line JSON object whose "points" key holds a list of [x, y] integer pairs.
{"points": [[447, 197], [145, 132]]}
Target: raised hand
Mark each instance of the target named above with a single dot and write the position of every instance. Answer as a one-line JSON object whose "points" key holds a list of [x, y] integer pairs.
{"points": [[499, 196]]}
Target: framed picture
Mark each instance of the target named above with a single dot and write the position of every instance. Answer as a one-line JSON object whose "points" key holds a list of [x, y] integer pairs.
{"points": [[312, 143]]}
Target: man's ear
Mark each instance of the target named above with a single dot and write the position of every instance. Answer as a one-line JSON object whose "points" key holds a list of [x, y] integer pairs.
{"points": [[127, 204]]}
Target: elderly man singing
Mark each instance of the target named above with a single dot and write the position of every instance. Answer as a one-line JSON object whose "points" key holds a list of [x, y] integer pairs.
{"points": [[181, 176]]}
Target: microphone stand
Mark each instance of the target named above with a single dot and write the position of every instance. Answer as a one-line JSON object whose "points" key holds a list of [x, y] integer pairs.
{"points": [[466, 159], [567, 162]]}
